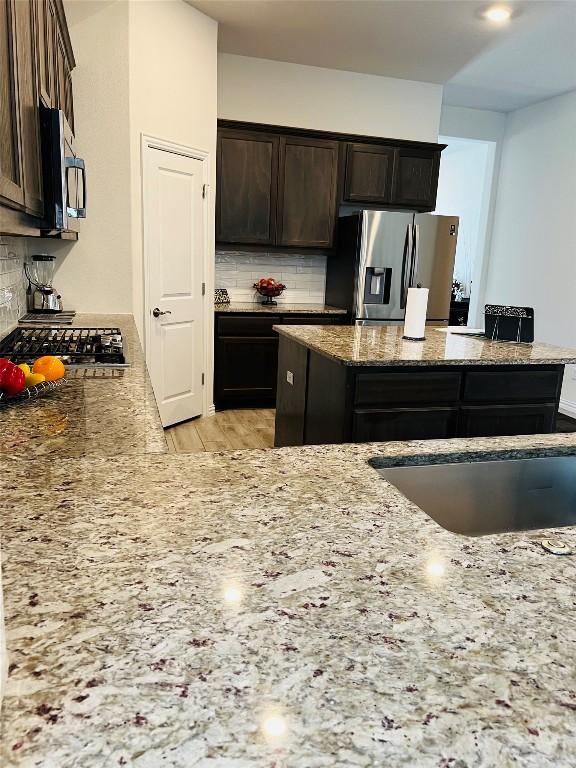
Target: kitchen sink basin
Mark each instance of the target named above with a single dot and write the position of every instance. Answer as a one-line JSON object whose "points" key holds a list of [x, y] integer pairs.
{"points": [[479, 498]]}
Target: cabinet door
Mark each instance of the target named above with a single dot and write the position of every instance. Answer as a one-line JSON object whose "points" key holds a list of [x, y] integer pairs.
{"points": [[11, 186], [489, 421], [368, 173], [28, 110], [45, 18], [247, 174], [416, 178], [404, 424], [246, 370], [307, 186]]}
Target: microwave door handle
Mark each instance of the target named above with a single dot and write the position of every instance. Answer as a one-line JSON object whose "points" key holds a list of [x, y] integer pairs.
{"points": [[406, 272], [78, 164], [82, 211]]}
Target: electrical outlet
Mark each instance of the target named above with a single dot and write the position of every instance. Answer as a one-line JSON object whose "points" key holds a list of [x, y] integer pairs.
{"points": [[290, 378]]}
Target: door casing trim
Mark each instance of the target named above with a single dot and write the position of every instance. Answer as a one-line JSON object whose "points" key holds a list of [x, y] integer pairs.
{"points": [[147, 143]]}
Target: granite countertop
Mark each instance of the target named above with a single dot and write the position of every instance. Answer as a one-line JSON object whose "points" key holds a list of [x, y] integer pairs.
{"points": [[101, 411], [282, 608], [280, 309], [373, 345]]}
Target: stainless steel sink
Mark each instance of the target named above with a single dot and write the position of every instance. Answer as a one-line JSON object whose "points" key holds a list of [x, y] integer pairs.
{"points": [[486, 497]]}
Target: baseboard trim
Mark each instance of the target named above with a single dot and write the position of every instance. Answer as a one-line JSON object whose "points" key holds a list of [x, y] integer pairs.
{"points": [[568, 408], [212, 410]]}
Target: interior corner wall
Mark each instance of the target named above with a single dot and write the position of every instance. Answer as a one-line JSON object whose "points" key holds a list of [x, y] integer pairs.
{"points": [[533, 261], [296, 95], [487, 126], [94, 274], [173, 83]]}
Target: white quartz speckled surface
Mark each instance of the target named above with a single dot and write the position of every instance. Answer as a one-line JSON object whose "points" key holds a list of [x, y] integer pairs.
{"points": [[161, 608], [384, 345]]}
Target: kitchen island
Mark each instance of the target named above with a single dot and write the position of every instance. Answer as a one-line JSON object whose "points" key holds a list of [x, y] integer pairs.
{"points": [[366, 383], [276, 607]]}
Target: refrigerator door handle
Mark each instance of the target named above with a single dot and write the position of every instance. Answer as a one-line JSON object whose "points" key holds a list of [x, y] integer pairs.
{"points": [[406, 265], [416, 256]]}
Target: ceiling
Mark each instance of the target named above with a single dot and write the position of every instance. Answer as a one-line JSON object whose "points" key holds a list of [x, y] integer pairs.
{"points": [[531, 58]]}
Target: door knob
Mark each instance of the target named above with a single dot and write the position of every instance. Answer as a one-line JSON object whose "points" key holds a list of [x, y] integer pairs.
{"points": [[157, 312]]}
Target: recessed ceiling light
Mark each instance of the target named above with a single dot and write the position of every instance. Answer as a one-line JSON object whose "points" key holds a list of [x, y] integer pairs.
{"points": [[497, 14]]}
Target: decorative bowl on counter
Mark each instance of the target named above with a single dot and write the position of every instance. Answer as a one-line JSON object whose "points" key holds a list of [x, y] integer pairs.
{"points": [[269, 288]]}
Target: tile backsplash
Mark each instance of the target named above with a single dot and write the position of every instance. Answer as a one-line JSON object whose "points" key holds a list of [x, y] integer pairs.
{"points": [[304, 275], [12, 284]]}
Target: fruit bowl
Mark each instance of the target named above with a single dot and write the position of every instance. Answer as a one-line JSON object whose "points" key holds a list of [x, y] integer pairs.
{"points": [[270, 289]]}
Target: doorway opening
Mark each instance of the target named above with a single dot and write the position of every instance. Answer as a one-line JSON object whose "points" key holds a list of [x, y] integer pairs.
{"points": [[465, 189]]}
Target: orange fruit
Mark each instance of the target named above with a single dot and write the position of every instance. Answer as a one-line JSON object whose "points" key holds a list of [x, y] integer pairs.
{"points": [[51, 367]]}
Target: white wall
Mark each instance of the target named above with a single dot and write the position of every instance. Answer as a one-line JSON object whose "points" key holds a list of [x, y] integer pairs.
{"points": [[280, 93], [94, 274], [479, 125], [533, 258], [173, 64], [466, 123], [464, 190]]}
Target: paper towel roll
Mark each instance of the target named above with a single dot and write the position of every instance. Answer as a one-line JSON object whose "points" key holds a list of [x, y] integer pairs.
{"points": [[415, 318]]}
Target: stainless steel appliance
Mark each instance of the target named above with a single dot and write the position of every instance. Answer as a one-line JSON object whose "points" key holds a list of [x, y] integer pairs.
{"points": [[380, 254], [41, 296], [64, 173], [81, 347], [525, 494]]}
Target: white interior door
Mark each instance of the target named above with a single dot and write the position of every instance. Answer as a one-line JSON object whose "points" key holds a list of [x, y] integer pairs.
{"points": [[174, 259]]}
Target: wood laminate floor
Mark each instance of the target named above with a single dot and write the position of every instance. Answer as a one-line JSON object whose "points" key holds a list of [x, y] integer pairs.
{"points": [[225, 431], [248, 428]]}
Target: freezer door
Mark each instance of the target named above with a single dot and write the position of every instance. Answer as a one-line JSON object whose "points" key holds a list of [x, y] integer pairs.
{"points": [[386, 246], [435, 240]]}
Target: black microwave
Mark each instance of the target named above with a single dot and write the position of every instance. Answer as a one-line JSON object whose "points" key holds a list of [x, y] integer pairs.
{"points": [[64, 173]]}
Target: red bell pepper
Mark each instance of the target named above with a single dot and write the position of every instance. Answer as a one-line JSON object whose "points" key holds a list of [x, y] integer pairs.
{"points": [[12, 378]]}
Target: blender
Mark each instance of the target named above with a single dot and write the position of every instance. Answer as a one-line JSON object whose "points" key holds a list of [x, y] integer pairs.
{"points": [[41, 296]]}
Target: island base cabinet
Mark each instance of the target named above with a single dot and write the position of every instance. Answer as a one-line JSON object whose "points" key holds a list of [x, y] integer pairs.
{"points": [[491, 421], [404, 424], [331, 402]]}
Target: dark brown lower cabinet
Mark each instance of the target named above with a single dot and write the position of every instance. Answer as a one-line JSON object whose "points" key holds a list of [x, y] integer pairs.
{"points": [[404, 424], [246, 370], [246, 356], [487, 421], [320, 400]]}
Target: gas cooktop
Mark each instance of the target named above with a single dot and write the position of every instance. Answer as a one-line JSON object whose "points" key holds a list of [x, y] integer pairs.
{"points": [[82, 347]]}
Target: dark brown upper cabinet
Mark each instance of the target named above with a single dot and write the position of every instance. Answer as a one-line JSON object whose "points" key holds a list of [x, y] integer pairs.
{"points": [[368, 175], [36, 61], [280, 187], [11, 181], [247, 171], [307, 192], [30, 149], [416, 178], [46, 23]]}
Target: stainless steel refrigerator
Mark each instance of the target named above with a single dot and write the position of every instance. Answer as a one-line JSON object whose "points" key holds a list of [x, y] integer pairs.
{"points": [[380, 254]]}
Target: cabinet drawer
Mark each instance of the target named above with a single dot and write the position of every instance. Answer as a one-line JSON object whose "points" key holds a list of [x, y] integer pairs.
{"points": [[404, 424], [384, 389], [489, 421], [511, 386], [260, 325]]}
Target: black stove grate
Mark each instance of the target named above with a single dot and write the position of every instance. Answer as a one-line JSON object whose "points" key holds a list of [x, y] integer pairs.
{"points": [[102, 346]]}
